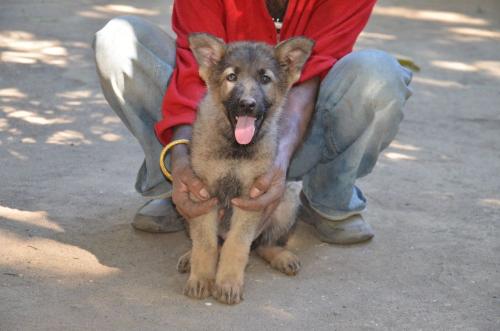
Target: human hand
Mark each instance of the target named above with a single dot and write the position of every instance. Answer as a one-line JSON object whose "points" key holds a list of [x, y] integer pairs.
{"points": [[189, 194], [265, 193]]}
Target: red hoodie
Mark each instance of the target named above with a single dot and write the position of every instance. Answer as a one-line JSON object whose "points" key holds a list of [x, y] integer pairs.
{"points": [[333, 24]]}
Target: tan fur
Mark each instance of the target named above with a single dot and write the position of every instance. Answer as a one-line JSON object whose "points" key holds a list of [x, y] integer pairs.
{"points": [[223, 276], [203, 232], [280, 259]]}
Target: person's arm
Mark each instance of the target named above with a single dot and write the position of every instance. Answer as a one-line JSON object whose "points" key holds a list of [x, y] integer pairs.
{"points": [[183, 94], [297, 114], [334, 26], [186, 88], [185, 181]]}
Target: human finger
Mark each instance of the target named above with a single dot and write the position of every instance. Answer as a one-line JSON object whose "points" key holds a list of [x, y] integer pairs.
{"points": [[190, 209], [261, 184], [197, 187], [258, 203], [194, 184]]}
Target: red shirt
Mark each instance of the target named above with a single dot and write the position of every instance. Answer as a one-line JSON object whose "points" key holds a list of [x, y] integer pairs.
{"points": [[333, 24]]}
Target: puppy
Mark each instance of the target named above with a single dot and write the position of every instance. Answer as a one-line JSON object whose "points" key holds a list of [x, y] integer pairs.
{"points": [[235, 139]]}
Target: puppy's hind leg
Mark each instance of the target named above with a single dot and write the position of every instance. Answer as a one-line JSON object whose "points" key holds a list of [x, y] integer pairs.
{"points": [[274, 238], [204, 255], [280, 259]]}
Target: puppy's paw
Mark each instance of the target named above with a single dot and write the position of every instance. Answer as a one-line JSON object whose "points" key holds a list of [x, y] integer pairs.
{"points": [[198, 288], [184, 263], [286, 262], [228, 292]]}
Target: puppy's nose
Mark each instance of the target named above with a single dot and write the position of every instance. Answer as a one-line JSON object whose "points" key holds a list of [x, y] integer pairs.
{"points": [[247, 104]]}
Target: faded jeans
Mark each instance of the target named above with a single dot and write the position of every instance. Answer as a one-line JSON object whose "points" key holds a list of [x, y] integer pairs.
{"points": [[358, 111]]}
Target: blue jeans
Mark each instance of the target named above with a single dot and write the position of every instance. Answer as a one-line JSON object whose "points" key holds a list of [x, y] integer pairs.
{"points": [[357, 113]]}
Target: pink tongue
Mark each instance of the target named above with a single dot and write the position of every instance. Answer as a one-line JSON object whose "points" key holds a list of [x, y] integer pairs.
{"points": [[245, 129]]}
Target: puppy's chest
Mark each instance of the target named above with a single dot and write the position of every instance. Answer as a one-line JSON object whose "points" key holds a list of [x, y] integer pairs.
{"points": [[227, 179], [227, 188], [222, 172]]}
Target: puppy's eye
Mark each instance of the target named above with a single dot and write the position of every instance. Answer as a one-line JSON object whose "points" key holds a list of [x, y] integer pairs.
{"points": [[265, 79], [232, 77]]}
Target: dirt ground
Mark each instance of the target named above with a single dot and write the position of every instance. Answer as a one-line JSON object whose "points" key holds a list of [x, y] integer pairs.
{"points": [[69, 259]]}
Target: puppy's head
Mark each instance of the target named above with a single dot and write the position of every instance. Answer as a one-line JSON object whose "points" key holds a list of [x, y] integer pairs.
{"points": [[249, 79]]}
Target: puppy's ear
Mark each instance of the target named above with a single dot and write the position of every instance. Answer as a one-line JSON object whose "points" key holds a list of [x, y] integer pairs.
{"points": [[208, 51], [292, 54]]}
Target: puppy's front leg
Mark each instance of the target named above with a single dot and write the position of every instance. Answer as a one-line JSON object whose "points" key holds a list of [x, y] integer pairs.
{"points": [[234, 256], [204, 254]]}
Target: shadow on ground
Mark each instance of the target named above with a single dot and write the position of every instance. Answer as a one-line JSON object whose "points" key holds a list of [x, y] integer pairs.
{"points": [[70, 260]]}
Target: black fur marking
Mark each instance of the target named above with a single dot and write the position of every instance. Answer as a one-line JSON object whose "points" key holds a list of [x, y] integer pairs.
{"points": [[232, 103], [235, 150], [227, 188], [268, 237]]}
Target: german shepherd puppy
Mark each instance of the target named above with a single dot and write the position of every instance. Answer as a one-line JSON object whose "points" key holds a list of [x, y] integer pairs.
{"points": [[234, 141]]}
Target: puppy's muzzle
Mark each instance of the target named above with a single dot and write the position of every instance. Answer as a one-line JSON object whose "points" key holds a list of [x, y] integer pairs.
{"points": [[247, 106]]}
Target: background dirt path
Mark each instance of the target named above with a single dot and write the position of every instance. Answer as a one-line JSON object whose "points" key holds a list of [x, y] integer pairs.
{"points": [[69, 259]]}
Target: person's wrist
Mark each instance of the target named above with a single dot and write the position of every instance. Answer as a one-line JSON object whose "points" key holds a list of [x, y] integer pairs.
{"points": [[180, 157], [180, 153]]}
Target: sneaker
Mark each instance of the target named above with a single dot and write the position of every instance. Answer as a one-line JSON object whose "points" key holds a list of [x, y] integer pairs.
{"points": [[158, 215], [351, 230]]}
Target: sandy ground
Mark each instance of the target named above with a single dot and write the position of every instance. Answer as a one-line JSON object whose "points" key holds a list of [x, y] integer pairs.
{"points": [[69, 260]]}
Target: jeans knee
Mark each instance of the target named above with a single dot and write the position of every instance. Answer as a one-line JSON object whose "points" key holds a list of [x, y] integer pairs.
{"points": [[362, 87], [376, 75], [114, 44], [372, 64], [119, 27]]}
